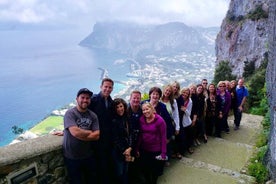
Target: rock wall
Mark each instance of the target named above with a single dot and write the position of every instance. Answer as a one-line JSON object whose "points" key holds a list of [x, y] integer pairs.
{"points": [[271, 89], [243, 34]]}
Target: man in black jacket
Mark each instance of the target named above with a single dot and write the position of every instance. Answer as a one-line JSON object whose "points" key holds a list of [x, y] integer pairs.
{"points": [[101, 104]]}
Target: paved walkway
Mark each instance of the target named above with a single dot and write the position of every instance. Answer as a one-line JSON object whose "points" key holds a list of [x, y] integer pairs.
{"points": [[221, 160]]}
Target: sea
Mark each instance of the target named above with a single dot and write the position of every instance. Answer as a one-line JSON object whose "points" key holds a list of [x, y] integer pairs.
{"points": [[42, 70]]}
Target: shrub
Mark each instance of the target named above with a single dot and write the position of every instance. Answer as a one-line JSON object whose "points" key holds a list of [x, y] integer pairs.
{"points": [[259, 171], [257, 14], [256, 168], [223, 72], [145, 96]]}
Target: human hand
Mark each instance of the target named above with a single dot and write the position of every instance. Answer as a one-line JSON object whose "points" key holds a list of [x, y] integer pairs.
{"points": [[183, 108], [127, 151], [58, 133]]}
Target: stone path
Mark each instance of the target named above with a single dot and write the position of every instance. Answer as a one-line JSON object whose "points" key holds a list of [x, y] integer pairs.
{"points": [[221, 160]]}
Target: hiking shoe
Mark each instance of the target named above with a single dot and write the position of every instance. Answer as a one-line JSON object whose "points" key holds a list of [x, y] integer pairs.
{"points": [[236, 128]]}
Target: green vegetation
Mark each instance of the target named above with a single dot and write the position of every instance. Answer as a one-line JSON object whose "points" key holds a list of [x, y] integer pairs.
{"points": [[145, 96], [256, 104], [222, 72], [257, 14], [255, 80], [17, 130], [48, 124]]}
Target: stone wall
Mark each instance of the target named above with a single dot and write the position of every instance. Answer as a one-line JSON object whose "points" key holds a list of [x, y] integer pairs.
{"points": [[44, 153], [271, 89]]}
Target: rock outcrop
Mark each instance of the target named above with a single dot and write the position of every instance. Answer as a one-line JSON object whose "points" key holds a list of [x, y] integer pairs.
{"points": [[271, 89], [243, 35]]}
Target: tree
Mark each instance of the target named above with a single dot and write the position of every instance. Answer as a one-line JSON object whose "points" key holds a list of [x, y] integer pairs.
{"points": [[223, 72], [249, 69], [17, 130]]}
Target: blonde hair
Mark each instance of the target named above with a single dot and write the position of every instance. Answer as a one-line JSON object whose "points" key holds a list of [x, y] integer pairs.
{"points": [[171, 97], [221, 82], [185, 89], [192, 86], [177, 93], [146, 103]]}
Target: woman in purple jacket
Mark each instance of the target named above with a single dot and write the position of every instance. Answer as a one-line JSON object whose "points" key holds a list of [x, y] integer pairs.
{"points": [[225, 105], [152, 145]]}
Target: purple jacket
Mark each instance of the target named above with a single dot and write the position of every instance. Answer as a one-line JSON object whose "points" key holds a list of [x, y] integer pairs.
{"points": [[153, 137], [225, 102]]}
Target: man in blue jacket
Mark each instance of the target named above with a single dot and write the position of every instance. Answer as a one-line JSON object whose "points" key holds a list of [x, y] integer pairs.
{"points": [[242, 94]]}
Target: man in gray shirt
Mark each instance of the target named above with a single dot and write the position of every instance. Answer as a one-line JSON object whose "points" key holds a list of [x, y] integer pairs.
{"points": [[81, 130]]}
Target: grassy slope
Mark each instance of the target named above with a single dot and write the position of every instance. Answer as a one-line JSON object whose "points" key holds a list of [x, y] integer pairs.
{"points": [[48, 124]]}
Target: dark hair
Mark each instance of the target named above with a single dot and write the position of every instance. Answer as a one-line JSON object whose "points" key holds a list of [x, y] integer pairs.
{"points": [[116, 102], [211, 84], [155, 89], [107, 80]]}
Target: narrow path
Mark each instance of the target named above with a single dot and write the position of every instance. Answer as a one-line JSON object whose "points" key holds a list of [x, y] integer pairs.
{"points": [[221, 160]]}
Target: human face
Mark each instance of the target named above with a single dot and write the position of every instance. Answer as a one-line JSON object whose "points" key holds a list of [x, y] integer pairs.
{"points": [[204, 83], [185, 94], [106, 89], [120, 109], [135, 99], [154, 97], [222, 87], [233, 84], [192, 90], [167, 92], [83, 101], [147, 110], [175, 88], [199, 89], [212, 88], [240, 82]]}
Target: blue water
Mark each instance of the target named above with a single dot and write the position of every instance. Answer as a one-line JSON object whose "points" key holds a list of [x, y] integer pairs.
{"points": [[41, 71]]}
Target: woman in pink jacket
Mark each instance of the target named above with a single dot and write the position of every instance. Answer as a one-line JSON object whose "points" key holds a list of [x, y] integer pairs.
{"points": [[152, 145]]}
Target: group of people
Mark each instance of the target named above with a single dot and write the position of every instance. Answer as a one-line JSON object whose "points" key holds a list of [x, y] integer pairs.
{"points": [[111, 141]]}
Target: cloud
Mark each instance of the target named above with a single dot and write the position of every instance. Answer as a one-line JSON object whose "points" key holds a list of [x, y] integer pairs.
{"points": [[196, 12]]}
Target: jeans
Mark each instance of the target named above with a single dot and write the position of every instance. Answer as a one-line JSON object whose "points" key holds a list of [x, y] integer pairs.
{"points": [[121, 167], [81, 171]]}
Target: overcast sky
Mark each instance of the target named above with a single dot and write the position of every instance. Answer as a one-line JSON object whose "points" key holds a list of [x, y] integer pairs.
{"points": [[205, 13]]}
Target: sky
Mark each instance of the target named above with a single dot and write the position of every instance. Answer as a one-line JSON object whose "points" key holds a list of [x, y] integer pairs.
{"points": [[205, 13]]}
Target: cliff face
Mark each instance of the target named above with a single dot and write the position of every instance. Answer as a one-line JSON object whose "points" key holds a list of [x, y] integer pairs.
{"points": [[271, 88], [248, 34], [243, 35]]}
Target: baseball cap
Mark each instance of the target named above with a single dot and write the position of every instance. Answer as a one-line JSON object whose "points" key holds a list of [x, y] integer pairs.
{"points": [[85, 90]]}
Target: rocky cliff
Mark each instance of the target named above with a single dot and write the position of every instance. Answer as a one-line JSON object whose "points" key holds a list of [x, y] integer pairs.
{"points": [[271, 88], [243, 35], [248, 34]]}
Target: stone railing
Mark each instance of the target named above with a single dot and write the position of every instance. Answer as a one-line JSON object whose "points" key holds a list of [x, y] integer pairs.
{"points": [[36, 160]]}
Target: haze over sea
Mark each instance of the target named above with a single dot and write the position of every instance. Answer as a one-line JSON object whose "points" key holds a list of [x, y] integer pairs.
{"points": [[41, 71]]}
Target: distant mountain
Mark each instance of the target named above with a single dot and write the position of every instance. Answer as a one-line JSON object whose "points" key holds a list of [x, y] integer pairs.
{"points": [[141, 40]]}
